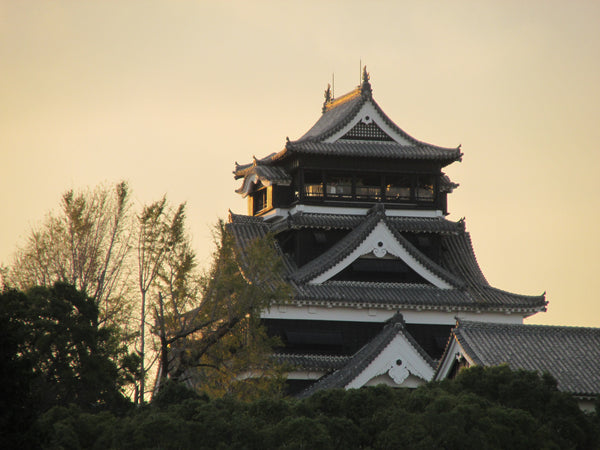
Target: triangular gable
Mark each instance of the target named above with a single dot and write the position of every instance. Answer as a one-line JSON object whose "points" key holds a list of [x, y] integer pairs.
{"points": [[453, 356], [392, 357], [380, 242], [399, 361], [366, 131], [370, 117]]}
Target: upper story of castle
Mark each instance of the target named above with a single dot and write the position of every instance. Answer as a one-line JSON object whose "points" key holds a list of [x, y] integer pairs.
{"points": [[352, 158]]}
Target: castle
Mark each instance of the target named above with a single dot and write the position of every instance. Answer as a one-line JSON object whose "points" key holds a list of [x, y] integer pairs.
{"points": [[385, 288]]}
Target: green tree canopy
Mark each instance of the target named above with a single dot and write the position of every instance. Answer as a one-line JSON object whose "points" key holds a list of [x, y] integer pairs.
{"points": [[54, 353], [465, 413]]}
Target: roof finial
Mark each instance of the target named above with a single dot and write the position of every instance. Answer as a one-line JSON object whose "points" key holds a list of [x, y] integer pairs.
{"points": [[327, 97], [365, 87]]}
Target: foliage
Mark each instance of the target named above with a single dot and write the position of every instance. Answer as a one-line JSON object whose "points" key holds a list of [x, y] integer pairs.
{"points": [[165, 264], [448, 415], [220, 346], [86, 244], [96, 243], [54, 353]]}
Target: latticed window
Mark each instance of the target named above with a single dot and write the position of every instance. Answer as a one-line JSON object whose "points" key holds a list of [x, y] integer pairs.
{"points": [[366, 132]]}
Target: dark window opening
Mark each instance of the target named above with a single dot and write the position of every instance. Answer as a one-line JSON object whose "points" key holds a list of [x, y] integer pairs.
{"points": [[259, 200], [339, 186], [380, 270], [368, 187], [313, 184], [433, 338], [424, 191], [398, 188], [321, 336]]}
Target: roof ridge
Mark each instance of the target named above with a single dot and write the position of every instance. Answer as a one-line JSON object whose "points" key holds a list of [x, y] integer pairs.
{"points": [[340, 249], [423, 259]]}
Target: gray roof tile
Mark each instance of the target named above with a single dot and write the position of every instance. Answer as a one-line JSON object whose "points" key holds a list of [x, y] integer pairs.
{"points": [[346, 245], [340, 112], [458, 260], [372, 149], [347, 222], [569, 354], [312, 361]]}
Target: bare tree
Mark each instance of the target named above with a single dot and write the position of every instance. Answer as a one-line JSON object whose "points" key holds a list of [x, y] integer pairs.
{"points": [[86, 244]]}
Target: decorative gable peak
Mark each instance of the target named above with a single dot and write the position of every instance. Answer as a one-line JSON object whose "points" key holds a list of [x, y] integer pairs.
{"points": [[363, 90]]}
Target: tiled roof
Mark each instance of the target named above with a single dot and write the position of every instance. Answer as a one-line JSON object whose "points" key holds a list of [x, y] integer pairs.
{"points": [[569, 354], [311, 361], [446, 185], [346, 245], [245, 229], [336, 117], [271, 174], [338, 251], [376, 150], [415, 296], [350, 221], [458, 260], [241, 170], [340, 112], [363, 357]]}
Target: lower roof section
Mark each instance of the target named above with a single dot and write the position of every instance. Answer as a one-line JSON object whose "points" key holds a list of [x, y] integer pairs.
{"points": [[467, 290], [393, 353], [570, 354]]}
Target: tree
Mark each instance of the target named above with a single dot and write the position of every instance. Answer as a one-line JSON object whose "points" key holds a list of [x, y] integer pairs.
{"points": [[161, 238], [220, 345], [54, 353], [86, 245]]}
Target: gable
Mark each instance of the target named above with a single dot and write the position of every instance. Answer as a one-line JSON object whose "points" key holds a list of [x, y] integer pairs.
{"points": [[369, 125], [399, 361], [381, 243], [366, 131]]}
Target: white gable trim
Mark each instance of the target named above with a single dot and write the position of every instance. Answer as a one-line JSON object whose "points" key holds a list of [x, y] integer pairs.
{"points": [[380, 242], [367, 114], [455, 352], [399, 360]]}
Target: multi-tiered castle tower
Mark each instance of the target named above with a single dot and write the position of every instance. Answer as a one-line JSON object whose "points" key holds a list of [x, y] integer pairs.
{"points": [[379, 275]]}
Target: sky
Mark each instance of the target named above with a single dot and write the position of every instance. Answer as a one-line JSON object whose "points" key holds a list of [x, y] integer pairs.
{"points": [[169, 94]]}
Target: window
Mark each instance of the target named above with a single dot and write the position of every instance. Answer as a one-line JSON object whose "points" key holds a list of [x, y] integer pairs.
{"points": [[339, 186], [259, 200], [368, 187], [408, 188], [397, 188], [424, 191], [313, 184]]}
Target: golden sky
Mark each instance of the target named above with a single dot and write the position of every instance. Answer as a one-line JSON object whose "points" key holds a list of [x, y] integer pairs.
{"points": [[168, 94]]}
